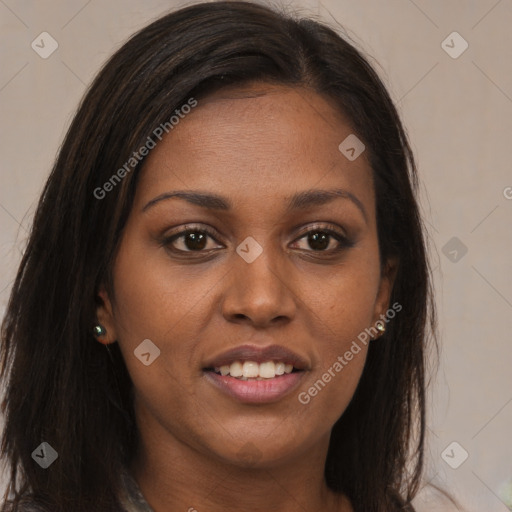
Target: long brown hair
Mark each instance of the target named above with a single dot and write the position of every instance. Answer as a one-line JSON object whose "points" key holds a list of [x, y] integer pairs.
{"points": [[64, 388]]}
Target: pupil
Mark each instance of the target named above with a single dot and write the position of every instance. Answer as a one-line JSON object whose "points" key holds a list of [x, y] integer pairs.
{"points": [[319, 240], [195, 241]]}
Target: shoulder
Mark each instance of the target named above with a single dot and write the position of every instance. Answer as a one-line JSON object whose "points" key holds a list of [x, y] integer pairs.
{"points": [[25, 505], [130, 499], [33, 506]]}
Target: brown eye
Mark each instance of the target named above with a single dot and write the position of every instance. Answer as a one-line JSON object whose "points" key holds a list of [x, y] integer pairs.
{"points": [[319, 241], [194, 241], [323, 240], [191, 240]]}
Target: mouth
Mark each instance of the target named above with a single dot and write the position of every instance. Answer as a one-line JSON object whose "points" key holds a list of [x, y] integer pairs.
{"points": [[252, 370], [252, 374]]}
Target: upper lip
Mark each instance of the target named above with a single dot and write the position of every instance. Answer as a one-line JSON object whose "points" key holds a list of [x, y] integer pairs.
{"points": [[258, 355]]}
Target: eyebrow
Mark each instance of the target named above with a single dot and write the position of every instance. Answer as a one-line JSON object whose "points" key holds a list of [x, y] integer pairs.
{"points": [[301, 200]]}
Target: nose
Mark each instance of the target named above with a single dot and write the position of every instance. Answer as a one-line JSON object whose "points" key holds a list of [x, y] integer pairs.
{"points": [[259, 293]]}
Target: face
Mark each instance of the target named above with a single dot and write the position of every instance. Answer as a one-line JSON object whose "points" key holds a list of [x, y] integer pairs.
{"points": [[258, 260]]}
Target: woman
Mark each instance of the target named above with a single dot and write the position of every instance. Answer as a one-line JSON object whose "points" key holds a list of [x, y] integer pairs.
{"points": [[225, 300]]}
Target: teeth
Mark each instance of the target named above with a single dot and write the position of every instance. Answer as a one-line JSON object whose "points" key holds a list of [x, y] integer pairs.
{"points": [[267, 370], [254, 371], [250, 369], [236, 369]]}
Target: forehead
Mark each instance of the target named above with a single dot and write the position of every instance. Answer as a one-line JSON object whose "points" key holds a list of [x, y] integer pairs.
{"points": [[262, 138]]}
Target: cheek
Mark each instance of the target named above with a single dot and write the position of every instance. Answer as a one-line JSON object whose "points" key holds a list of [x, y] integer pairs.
{"points": [[147, 308], [157, 303], [154, 298], [340, 360], [344, 303], [343, 308]]}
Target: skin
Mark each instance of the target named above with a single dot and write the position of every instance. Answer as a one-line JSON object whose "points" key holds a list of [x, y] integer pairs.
{"points": [[256, 147]]}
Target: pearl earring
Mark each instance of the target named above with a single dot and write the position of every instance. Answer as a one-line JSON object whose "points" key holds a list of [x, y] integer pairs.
{"points": [[99, 330], [381, 327]]}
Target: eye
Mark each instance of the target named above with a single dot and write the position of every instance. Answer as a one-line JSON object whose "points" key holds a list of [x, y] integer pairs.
{"points": [[323, 240], [203, 240], [192, 240]]}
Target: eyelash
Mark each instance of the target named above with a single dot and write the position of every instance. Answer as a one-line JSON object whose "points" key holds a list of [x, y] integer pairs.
{"points": [[343, 241]]}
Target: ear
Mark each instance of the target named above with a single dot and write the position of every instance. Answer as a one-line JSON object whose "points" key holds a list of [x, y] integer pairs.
{"points": [[387, 281], [105, 317]]}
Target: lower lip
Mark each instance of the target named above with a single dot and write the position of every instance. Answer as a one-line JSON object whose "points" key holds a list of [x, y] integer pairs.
{"points": [[256, 391]]}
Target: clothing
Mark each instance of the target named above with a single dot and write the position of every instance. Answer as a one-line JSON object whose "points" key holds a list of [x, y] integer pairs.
{"points": [[131, 498]]}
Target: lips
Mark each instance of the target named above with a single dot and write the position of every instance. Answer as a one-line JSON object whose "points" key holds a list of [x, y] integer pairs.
{"points": [[258, 355], [288, 370]]}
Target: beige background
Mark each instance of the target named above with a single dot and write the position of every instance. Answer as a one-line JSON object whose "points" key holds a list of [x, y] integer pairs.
{"points": [[458, 112]]}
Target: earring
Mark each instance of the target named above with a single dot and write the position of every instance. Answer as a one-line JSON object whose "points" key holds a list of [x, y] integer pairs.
{"points": [[381, 328], [99, 330]]}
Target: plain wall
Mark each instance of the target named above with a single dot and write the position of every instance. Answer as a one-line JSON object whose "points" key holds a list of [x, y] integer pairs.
{"points": [[458, 112]]}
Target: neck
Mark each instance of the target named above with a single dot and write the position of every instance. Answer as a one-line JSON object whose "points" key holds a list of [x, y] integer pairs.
{"points": [[173, 475]]}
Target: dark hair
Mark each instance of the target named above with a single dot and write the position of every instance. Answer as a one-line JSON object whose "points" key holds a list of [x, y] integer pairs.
{"points": [[74, 393]]}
